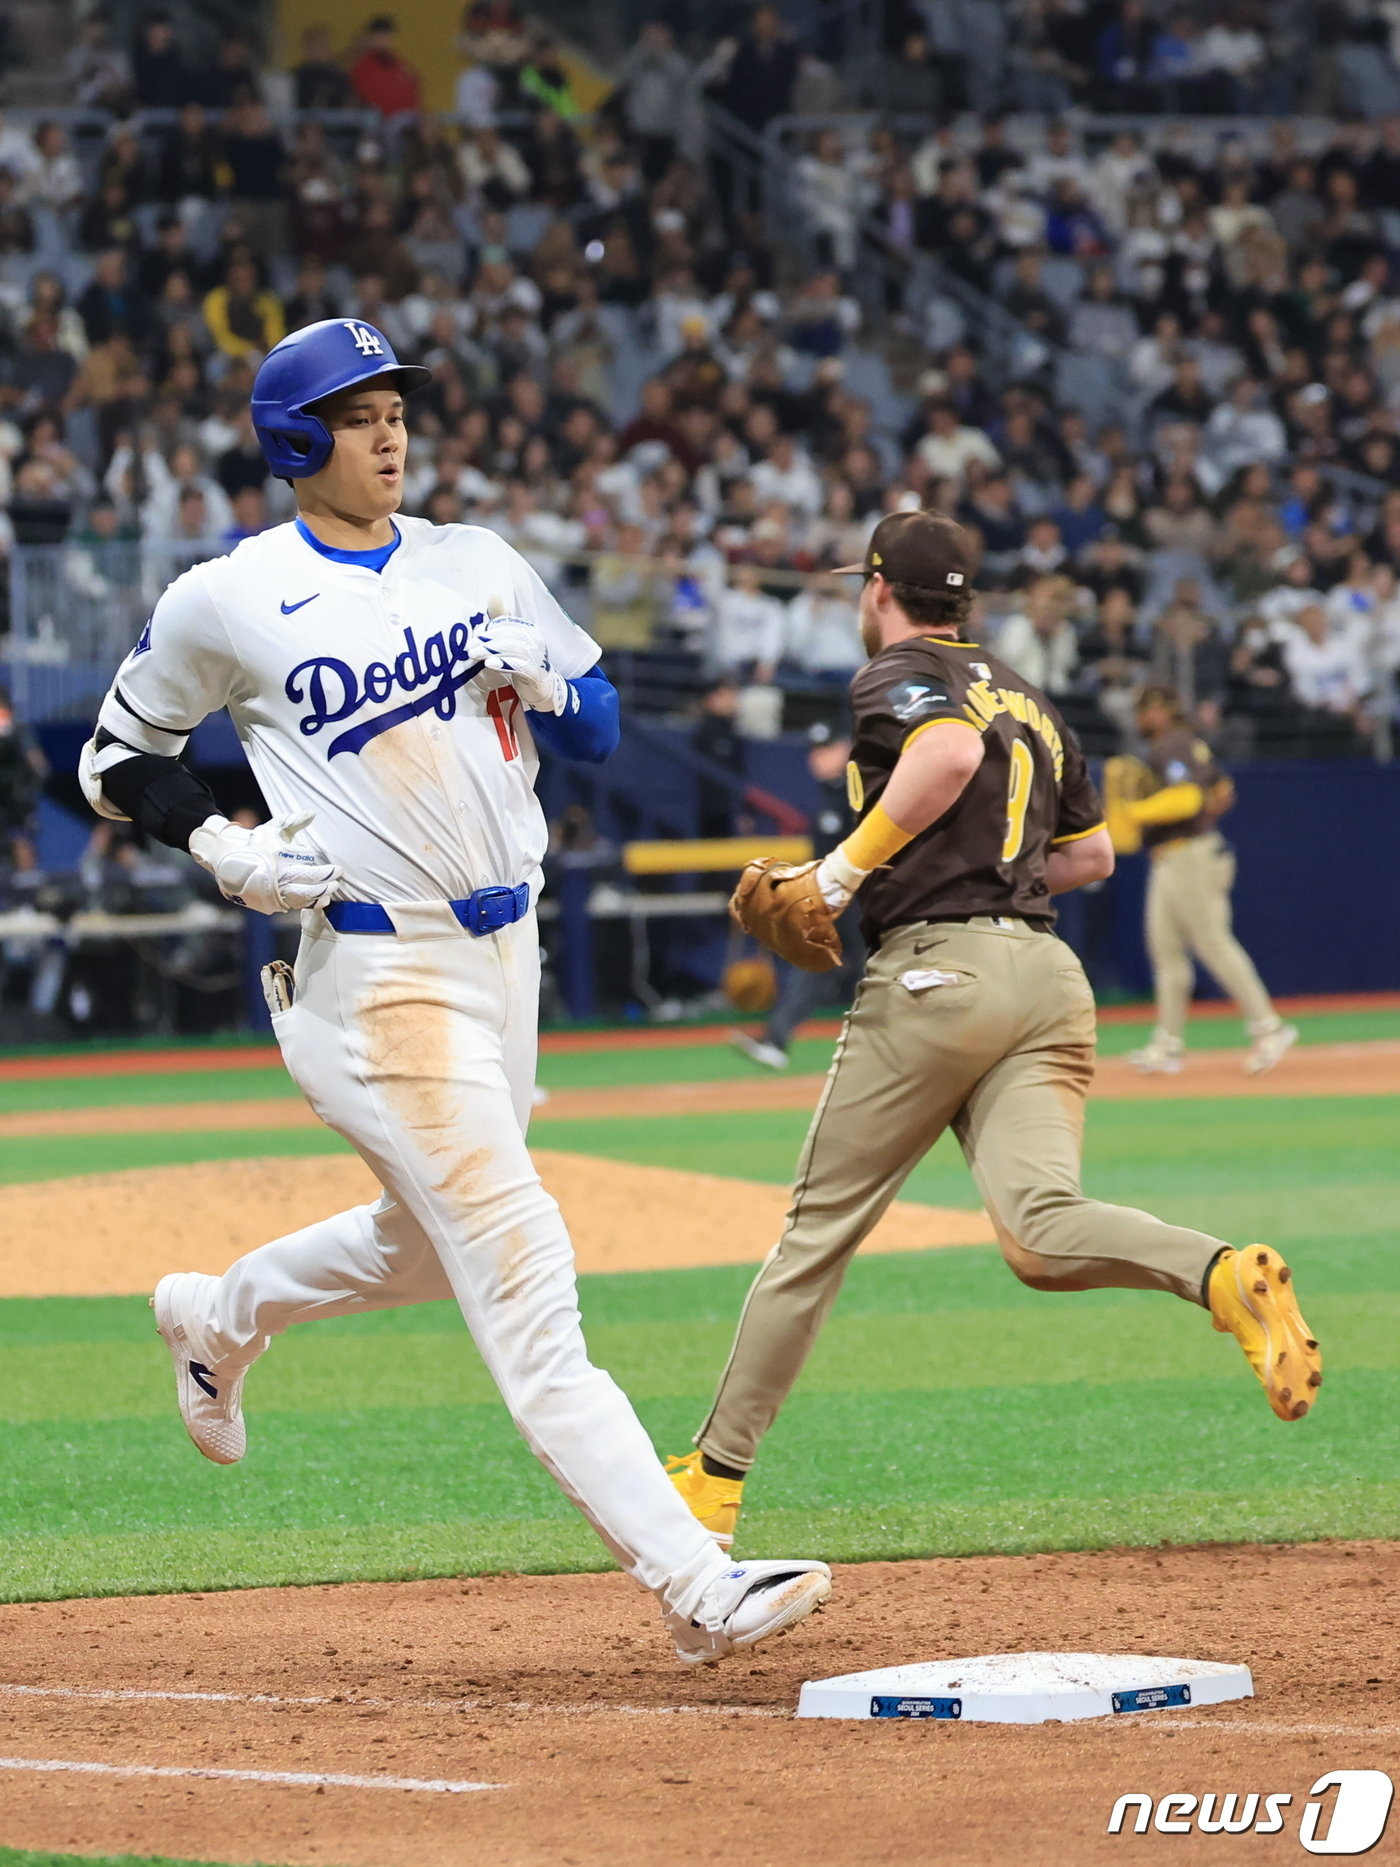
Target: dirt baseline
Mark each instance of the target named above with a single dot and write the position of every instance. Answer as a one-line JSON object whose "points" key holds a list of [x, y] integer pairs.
{"points": [[561, 1691]]}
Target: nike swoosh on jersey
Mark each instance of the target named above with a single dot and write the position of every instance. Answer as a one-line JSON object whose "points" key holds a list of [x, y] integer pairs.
{"points": [[288, 608]]}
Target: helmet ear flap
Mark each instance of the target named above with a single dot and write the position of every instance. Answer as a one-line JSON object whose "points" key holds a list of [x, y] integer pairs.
{"points": [[298, 446]]}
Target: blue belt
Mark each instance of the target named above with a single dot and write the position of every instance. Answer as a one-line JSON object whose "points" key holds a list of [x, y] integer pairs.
{"points": [[481, 913]]}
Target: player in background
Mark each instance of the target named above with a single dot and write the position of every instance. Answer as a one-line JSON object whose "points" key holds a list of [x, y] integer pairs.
{"points": [[800, 993], [975, 809], [1181, 801], [389, 679]]}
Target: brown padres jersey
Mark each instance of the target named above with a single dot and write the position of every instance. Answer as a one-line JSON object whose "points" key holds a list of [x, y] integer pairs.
{"points": [[1032, 790], [1182, 757]]}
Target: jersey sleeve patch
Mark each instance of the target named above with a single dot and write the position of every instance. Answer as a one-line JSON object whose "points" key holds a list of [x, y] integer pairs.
{"points": [[143, 642], [910, 701]]}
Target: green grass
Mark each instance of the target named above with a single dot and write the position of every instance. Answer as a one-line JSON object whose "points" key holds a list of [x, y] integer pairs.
{"points": [[21, 1857], [946, 1408], [595, 1069]]}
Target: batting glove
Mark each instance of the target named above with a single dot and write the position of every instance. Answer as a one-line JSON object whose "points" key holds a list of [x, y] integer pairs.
{"points": [[266, 868], [510, 645]]}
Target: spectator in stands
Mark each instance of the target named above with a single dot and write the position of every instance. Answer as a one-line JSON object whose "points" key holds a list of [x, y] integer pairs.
{"points": [[1028, 301], [1189, 655], [257, 172], [249, 517], [829, 187], [1324, 667], [1039, 639], [319, 79], [111, 381], [23, 769], [1182, 521], [494, 38], [1259, 692], [159, 514], [626, 594], [161, 78], [42, 371], [1043, 552], [1296, 591], [1242, 432], [753, 77], [717, 740], [823, 631], [233, 79], [110, 302], [171, 253], [1080, 519], [787, 476], [188, 169], [1186, 398], [108, 220], [544, 78], [494, 172], [55, 181], [948, 446], [241, 464], [1101, 321], [243, 317], [99, 71], [380, 77], [748, 631]]}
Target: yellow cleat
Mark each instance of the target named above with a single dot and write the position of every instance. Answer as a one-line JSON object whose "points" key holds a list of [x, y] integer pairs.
{"points": [[714, 1501], [1251, 1298]]}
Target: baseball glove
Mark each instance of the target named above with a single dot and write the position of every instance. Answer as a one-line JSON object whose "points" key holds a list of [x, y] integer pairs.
{"points": [[1125, 782], [781, 905]]}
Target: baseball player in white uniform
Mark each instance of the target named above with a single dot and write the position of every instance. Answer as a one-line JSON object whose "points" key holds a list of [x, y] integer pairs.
{"points": [[388, 679]]}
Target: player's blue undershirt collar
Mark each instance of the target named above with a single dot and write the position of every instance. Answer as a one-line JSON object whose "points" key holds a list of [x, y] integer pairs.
{"points": [[367, 560]]}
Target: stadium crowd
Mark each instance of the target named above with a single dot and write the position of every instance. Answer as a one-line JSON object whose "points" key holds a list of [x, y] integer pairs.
{"points": [[635, 385]]}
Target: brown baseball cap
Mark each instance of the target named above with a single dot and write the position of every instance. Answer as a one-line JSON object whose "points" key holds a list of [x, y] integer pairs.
{"points": [[920, 548]]}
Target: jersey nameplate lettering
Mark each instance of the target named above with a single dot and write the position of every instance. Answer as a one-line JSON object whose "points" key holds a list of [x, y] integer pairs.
{"points": [[984, 702]]}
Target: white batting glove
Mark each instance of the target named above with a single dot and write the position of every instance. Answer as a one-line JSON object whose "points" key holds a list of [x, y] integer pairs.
{"points": [[266, 868], [511, 645]]}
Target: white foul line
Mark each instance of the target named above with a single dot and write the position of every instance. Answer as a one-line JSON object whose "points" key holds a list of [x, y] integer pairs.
{"points": [[300, 1779], [588, 1708]]}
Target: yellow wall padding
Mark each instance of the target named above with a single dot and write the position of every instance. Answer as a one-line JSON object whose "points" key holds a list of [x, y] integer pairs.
{"points": [[711, 854]]}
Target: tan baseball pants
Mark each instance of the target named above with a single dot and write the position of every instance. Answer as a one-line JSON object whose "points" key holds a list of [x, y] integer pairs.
{"points": [[1188, 918], [988, 1027]]}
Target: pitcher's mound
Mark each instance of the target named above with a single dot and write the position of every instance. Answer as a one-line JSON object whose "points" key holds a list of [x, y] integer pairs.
{"points": [[114, 1234]]}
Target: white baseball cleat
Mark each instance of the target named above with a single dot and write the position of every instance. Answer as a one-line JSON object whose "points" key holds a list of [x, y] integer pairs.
{"points": [[211, 1400], [1160, 1056], [1266, 1050], [750, 1602], [757, 1051]]}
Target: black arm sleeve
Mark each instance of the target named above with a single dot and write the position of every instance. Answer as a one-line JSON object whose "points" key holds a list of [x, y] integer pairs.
{"points": [[160, 795]]}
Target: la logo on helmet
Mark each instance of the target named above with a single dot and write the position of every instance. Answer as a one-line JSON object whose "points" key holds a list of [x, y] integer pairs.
{"points": [[366, 341]]}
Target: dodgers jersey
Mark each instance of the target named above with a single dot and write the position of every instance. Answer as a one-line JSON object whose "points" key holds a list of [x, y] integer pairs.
{"points": [[353, 696]]}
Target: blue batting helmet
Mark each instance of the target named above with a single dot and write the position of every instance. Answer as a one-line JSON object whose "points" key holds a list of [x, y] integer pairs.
{"points": [[336, 353]]}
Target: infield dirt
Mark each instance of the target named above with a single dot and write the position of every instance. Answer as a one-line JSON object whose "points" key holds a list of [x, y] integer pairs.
{"points": [[114, 1234], [606, 1753]]}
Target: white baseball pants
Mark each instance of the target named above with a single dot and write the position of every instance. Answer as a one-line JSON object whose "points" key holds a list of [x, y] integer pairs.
{"points": [[420, 1049]]}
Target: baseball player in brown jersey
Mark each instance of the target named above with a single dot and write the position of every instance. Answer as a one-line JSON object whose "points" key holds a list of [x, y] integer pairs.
{"points": [[974, 809], [1171, 802]]}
